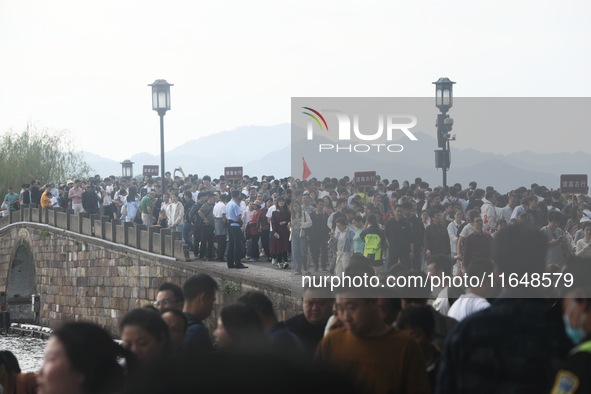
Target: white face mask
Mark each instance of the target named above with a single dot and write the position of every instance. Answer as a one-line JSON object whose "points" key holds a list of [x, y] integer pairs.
{"points": [[576, 334]]}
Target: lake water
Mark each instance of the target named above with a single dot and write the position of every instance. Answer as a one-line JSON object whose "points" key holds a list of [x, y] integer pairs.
{"points": [[28, 351]]}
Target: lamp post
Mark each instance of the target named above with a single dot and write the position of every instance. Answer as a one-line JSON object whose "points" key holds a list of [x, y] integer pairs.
{"points": [[443, 101], [161, 104], [127, 169]]}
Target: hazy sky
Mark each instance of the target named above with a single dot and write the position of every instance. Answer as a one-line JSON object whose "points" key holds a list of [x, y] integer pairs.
{"points": [[84, 66]]}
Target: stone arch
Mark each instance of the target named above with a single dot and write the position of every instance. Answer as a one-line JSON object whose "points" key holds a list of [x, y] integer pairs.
{"points": [[21, 281]]}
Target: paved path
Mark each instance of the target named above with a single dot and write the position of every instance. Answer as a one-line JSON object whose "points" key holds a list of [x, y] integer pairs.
{"points": [[259, 273]]}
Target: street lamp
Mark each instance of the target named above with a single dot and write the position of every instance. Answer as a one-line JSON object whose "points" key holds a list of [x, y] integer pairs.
{"points": [[443, 101], [444, 94], [127, 169], [161, 104]]}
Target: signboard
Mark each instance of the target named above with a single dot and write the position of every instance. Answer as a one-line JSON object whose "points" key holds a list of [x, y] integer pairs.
{"points": [[366, 178], [151, 170], [233, 173], [574, 184]]}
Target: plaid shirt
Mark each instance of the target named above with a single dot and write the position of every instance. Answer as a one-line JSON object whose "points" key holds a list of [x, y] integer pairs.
{"points": [[515, 346]]}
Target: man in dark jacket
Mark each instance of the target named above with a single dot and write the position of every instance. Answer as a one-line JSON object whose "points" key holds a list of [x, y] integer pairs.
{"points": [[199, 291]]}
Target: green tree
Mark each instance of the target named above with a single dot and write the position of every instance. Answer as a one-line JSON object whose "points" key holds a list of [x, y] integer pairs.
{"points": [[46, 155]]}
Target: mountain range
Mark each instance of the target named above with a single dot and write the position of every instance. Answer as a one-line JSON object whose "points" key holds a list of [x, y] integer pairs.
{"points": [[264, 150]]}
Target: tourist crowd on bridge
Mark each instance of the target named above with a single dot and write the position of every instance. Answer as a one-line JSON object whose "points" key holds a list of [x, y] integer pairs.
{"points": [[316, 225], [472, 340]]}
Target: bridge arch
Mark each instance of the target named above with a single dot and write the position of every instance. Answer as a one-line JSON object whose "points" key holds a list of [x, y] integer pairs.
{"points": [[21, 280]]}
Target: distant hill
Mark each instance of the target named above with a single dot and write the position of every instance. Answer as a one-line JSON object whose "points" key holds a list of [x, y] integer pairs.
{"points": [[264, 150]]}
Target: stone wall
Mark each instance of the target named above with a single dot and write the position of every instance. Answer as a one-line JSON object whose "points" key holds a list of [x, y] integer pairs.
{"points": [[152, 239], [86, 277]]}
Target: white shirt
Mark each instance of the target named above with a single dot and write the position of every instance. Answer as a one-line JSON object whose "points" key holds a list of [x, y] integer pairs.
{"points": [[219, 209], [505, 214], [583, 249], [452, 231], [54, 202], [441, 303], [488, 213], [517, 211], [270, 211], [467, 230], [466, 305]]}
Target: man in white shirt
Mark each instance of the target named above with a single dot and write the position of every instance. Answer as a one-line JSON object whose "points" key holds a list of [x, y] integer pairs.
{"points": [[452, 231], [488, 211], [506, 212], [475, 298], [219, 214], [194, 192], [520, 209]]}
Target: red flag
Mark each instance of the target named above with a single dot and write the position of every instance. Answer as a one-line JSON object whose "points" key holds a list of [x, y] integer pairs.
{"points": [[307, 171]]}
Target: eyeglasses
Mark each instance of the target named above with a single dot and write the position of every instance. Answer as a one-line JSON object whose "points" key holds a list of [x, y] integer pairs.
{"points": [[163, 303]]}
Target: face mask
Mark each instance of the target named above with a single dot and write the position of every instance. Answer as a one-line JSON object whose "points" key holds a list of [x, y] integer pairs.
{"points": [[576, 335]]}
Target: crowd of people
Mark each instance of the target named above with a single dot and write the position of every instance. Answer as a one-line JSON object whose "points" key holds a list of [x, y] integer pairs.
{"points": [[349, 343], [317, 225], [476, 339]]}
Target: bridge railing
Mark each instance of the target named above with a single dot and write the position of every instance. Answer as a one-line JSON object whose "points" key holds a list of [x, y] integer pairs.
{"points": [[153, 239]]}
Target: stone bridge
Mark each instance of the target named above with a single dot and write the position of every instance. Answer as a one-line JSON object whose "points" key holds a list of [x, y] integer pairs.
{"points": [[94, 269]]}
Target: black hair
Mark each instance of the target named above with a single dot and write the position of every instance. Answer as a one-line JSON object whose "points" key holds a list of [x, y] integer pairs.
{"points": [[131, 195], [479, 193], [358, 266], [372, 220], [151, 322], [519, 249], [9, 360], [94, 354], [259, 302], [341, 220], [420, 317], [199, 284], [479, 267], [358, 218], [473, 214], [244, 327], [554, 215], [413, 293], [442, 262], [176, 291]]}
